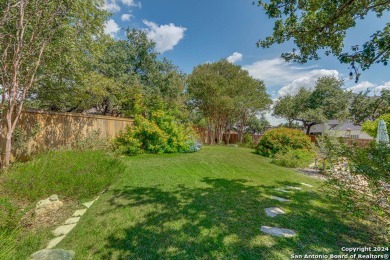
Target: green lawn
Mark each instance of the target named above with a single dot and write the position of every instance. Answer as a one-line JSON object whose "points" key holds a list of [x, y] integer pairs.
{"points": [[210, 205]]}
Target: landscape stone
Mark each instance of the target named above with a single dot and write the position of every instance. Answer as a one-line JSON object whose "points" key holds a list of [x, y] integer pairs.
{"points": [[63, 230], [79, 213], [53, 197], [88, 204], [72, 220], [279, 232], [293, 188], [280, 199], [55, 242], [273, 211], [307, 185], [47, 205], [282, 190], [53, 254]]}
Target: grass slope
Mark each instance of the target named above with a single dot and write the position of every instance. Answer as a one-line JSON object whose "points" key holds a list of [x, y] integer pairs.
{"points": [[209, 205]]}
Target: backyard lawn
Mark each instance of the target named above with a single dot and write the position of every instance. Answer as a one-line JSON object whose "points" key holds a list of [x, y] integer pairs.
{"points": [[211, 204]]}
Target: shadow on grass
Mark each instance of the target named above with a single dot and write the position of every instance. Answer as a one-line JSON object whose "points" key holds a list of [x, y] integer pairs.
{"points": [[223, 220]]}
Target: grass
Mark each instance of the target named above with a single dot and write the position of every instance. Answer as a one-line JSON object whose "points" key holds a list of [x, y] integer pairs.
{"points": [[73, 175], [69, 173], [210, 205]]}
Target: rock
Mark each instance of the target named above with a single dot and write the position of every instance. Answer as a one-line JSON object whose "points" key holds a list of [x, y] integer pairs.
{"points": [[53, 198], [50, 204], [279, 232], [79, 213], [53, 254], [72, 220], [282, 190], [63, 230], [55, 242], [88, 204], [273, 212], [307, 185], [293, 188], [280, 199]]}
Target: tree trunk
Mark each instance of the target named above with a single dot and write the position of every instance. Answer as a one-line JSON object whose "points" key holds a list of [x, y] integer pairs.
{"points": [[219, 134], [308, 127], [227, 131], [7, 151]]}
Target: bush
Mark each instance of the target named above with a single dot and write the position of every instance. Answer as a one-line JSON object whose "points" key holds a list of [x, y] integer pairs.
{"points": [[247, 140], [70, 173], [281, 140], [161, 133], [372, 162], [293, 158], [371, 127]]}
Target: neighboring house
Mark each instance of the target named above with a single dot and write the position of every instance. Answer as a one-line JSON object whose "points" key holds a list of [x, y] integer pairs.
{"points": [[344, 129]]}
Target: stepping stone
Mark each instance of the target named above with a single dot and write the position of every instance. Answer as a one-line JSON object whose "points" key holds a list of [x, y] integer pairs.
{"points": [[279, 232], [63, 230], [72, 220], [282, 190], [55, 242], [280, 199], [293, 188], [307, 185], [273, 212], [88, 204], [53, 254], [79, 213]]}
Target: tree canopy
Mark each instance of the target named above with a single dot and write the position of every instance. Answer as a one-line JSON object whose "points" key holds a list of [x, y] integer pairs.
{"points": [[322, 25], [226, 96], [325, 102]]}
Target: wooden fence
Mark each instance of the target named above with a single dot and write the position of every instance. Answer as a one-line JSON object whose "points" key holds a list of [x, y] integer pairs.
{"points": [[43, 130]]}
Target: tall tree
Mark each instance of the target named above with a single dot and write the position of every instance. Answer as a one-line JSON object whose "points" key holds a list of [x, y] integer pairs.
{"points": [[34, 33], [227, 96], [310, 107], [322, 25]]}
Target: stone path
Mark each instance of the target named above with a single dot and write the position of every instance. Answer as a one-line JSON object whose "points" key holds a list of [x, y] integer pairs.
{"points": [[275, 211], [280, 199], [56, 254], [279, 232], [61, 231]]}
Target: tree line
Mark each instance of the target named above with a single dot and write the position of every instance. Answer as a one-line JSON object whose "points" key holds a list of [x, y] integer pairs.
{"points": [[55, 56]]}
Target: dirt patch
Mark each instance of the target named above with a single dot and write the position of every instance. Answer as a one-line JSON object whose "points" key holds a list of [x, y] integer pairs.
{"points": [[31, 221]]}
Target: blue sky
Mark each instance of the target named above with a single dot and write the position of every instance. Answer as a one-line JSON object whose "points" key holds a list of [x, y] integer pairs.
{"points": [[190, 33]]}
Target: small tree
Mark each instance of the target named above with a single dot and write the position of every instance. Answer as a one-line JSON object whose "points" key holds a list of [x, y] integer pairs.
{"points": [[32, 33]]}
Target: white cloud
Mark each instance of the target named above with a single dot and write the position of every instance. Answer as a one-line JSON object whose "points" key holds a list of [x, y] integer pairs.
{"points": [[362, 86], [126, 17], [278, 73], [374, 88], [165, 36], [306, 81], [236, 56], [274, 72], [131, 3], [111, 6], [111, 28]]}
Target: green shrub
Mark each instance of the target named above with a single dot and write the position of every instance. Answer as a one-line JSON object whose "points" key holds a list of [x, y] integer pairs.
{"points": [[281, 140], [293, 158], [372, 162], [248, 140], [70, 173], [371, 127], [161, 133]]}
